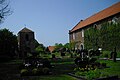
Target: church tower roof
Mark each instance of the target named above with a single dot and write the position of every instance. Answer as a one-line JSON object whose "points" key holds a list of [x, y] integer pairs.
{"points": [[25, 30]]}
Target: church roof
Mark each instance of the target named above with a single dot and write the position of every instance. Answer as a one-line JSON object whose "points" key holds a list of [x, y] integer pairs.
{"points": [[25, 30], [110, 11]]}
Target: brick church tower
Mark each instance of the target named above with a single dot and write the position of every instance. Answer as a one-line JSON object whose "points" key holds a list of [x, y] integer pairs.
{"points": [[26, 42]]}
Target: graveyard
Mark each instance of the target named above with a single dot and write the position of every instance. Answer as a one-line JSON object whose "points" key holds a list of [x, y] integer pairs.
{"points": [[63, 62], [92, 52], [62, 68]]}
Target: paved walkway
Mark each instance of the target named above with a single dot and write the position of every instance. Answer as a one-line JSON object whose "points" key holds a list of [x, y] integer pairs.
{"points": [[118, 59]]}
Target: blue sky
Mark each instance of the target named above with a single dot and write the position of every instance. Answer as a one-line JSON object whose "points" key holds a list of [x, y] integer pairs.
{"points": [[51, 20]]}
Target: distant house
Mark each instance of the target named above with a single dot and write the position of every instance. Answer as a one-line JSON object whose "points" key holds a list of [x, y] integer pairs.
{"points": [[26, 42], [51, 48], [110, 14]]}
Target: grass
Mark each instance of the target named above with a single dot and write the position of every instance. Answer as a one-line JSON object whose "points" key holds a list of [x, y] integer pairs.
{"points": [[114, 67], [57, 55], [61, 68], [59, 72], [14, 62], [62, 60], [107, 53], [51, 77], [60, 77]]}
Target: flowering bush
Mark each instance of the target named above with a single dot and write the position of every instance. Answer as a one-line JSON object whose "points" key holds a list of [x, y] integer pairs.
{"points": [[91, 74]]}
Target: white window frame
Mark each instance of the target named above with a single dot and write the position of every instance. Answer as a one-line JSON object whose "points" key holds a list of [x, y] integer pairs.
{"points": [[82, 33], [73, 36]]}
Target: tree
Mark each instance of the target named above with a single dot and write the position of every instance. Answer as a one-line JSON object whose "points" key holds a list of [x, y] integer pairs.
{"points": [[92, 38], [40, 48], [110, 35], [70, 45], [8, 43], [37, 43], [4, 10], [58, 46], [67, 46], [106, 37]]}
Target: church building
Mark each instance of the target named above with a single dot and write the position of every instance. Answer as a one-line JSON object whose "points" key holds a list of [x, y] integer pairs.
{"points": [[26, 43], [77, 33]]}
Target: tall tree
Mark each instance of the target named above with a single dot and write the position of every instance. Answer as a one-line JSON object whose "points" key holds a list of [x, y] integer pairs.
{"points": [[92, 38], [106, 37], [110, 35], [8, 43], [4, 10]]}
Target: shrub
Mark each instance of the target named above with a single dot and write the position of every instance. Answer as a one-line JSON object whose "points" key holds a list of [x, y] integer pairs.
{"points": [[46, 70], [24, 71], [106, 54], [91, 74], [34, 71], [53, 55]]}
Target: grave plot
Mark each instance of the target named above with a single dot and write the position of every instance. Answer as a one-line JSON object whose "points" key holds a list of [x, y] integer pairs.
{"points": [[35, 66], [89, 67]]}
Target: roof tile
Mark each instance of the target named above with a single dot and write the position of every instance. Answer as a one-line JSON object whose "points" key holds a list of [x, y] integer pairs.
{"points": [[112, 10]]}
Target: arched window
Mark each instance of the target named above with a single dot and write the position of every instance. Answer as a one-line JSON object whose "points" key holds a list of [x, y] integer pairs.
{"points": [[95, 26], [114, 20]]}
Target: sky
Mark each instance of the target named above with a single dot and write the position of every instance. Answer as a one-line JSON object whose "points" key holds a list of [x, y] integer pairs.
{"points": [[51, 20]]}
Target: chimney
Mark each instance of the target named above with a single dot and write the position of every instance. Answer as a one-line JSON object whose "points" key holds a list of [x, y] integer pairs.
{"points": [[81, 20]]}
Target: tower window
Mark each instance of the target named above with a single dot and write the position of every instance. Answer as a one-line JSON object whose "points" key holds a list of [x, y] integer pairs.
{"points": [[27, 37]]}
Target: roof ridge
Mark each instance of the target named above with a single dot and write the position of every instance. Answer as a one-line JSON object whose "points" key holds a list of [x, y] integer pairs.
{"points": [[25, 30], [107, 12]]}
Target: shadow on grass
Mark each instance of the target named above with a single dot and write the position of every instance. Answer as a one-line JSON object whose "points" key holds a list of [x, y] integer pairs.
{"points": [[10, 71], [63, 68]]}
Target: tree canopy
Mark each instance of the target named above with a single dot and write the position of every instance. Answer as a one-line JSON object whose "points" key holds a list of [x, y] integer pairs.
{"points": [[110, 35], [4, 10], [106, 37], [8, 43]]}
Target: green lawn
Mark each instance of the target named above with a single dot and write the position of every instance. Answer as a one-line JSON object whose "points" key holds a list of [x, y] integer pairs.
{"points": [[114, 67], [58, 77], [107, 53], [61, 68], [50, 77], [59, 72]]}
